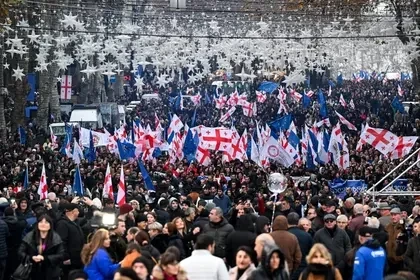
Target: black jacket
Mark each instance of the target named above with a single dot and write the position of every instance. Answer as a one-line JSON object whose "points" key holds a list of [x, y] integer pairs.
{"points": [[162, 216], [337, 242], [263, 271], [243, 236], [412, 256], [4, 233], [160, 242], [219, 231], [73, 240], [14, 240], [305, 244], [176, 240], [53, 257]]}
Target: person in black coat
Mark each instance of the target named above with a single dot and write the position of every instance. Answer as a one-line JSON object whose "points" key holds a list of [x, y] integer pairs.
{"points": [[44, 248], [72, 236], [4, 233], [243, 236], [14, 240], [305, 242], [265, 271]]}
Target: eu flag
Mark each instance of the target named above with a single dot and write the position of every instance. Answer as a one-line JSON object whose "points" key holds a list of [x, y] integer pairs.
{"points": [[77, 183], [147, 180]]}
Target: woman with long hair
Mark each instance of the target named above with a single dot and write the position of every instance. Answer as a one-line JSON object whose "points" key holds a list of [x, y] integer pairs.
{"points": [[244, 265], [320, 265], [182, 231], [168, 269], [44, 248], [98, 263], [175, 239], [132, 253], [143, 240]]}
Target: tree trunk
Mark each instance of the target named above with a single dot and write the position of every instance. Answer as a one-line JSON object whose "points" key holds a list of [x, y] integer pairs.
{"points": [[43, 100], [54, 97], [19, 92], [415, 68], [3, 93]]}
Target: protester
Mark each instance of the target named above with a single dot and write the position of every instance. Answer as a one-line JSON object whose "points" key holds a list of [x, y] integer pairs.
{"points": [[320, 265], [169, 268], [244, 264], [98, 263], [44, 248], [133, 252], [143, 268], [412, 255], [243, 236], [272, 265], [202, 264]]}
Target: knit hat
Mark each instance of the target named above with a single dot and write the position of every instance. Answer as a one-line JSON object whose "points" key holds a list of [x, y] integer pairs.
{"points": [[125, 208], [97, 203]]}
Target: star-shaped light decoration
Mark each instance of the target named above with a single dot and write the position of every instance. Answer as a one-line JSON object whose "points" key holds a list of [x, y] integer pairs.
{"points": [[69, 21], [18, 74], [33, 38], [139, 83], [242, 75], [6, 65], [161, 80]]}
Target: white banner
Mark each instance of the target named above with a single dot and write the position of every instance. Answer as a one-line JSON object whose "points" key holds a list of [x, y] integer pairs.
{"points": [[99, 139]]}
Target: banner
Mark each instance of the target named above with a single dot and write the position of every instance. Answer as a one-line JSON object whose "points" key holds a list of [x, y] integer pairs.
{"points": [[99, 139], [339, 189]]}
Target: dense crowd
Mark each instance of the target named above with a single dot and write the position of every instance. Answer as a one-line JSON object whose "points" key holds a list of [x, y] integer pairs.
{"points": [[213, 222]]}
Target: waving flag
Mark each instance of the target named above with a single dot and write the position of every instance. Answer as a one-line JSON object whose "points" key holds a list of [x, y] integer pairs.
{"points": [[203, 155], [261, 96], [215, 138], [176, 125], [247, 108], [306, 101], [22, 135], [400, 90], [403, 147], [221, 102], [228, 114], [26, 179], [77, 152], [268, 87], [196, 99], [381, 139], [146, 178], [343, 101], [397, 105], [121, 189], [344, 121], [43, 187], [91, 152], [329, 91], [296, 96], [126, 150], [323, 105], [352, 104], [108, 191], [77, 183]]}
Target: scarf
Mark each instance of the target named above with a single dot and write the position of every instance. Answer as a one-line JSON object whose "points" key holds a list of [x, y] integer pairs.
{"points": [[321, 269]]}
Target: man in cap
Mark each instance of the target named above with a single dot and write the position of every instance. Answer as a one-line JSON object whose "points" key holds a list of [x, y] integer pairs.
{"points": [[72, 236], [370, 261], [335, 239], [384, 210], [412, 255], [397, 241]]}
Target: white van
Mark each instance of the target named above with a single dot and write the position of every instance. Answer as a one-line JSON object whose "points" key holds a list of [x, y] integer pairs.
{"points": [[88, 117]]}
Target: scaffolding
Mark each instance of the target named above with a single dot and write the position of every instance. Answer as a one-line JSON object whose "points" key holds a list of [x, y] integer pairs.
{"points": [[383, 192]]}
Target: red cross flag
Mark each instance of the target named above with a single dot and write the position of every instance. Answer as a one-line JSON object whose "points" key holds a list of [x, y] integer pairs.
{"points": [[228, 114], [261, 96], [202, 155], [404, 146], [381, 139], [121, 188], [343, 101], [66, 82], [344, 121], [216, 138], [43, 187], [107, 190]]}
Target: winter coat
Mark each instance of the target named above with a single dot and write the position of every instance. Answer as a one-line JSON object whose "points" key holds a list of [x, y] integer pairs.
{"points": [[4, 233], [233, 273], [222, 202], [160, 242], [393, 230], [219, 231], [129, 259], [243, 236], [356, 223], [337, 242], [320, 272], [305, 243], [287, 242], [53, 255], [370, 261], [14, 240], [154, 253], [176, 241], [73, 241], [412, 255], [117, 248], [159, 274], [162, 216], [101, 266], [173, 213], [263, 271]]}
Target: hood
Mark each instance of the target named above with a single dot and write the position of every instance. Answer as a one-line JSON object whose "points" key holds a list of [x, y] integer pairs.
{"points": [[266, 256], [260, 224], [244, 223], [373, 244], [280, 223], [170, 202], [10, 220]]}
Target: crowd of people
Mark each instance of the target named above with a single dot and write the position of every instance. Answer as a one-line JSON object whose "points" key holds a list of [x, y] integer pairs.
{"points": [[213, 222]]}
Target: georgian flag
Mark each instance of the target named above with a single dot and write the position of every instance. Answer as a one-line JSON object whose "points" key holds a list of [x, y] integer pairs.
{"points": [[107, 191], [261, 96], [121, 189], [247, 108], [196, 99], [351, 104], [228, 114], [295, 95], [343, 101], [344, 121], [43, 187], [221, 102], [400, 90]]}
